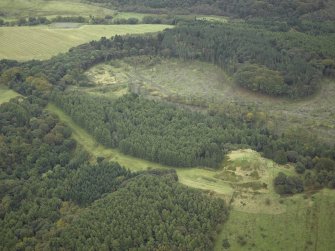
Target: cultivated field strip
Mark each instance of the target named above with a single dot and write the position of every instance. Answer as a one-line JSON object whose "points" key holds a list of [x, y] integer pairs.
{"points": [[43, 42]]}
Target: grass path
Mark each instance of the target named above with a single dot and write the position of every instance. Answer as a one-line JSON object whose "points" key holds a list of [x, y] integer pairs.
{"points": [[43, 42], [6, 94]]}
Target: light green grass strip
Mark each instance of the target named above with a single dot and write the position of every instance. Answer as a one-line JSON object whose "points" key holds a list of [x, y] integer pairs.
{"points": [[193, 177]]}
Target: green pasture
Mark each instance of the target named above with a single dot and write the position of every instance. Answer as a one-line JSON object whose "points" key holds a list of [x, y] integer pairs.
{"points": [[43, 42], [308, 223], [15, 9]]}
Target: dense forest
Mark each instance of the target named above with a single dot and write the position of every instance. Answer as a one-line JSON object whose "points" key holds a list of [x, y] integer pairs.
{"points": [[312, 9], [56, 196], [45, 176], [107, 20], [147, 213], [253, 55]]}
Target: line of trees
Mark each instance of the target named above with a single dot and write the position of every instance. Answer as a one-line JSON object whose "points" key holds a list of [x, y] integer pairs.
{"points": [[107, 20]]}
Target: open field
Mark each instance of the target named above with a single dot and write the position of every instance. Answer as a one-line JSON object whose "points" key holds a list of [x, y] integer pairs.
{"points": [[204, 85], [6, 94], [14, 9], [139, 16], [307, 224], [43, 42]]}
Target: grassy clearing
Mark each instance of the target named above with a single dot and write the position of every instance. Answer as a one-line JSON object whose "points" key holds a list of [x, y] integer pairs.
{"points": [[139, 16], [14, 9], [43, 42], [212, 18], [172, 79], [306, 224], [109, 81], [203, 84], [6, 94]]}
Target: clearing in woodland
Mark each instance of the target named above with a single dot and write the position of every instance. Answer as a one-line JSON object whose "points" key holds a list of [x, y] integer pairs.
{"points": [[205, 85], [6, 94]]}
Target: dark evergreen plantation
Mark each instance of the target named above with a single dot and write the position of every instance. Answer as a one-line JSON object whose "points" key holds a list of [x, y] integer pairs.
{"points": [[148, 212], [160, 132]]}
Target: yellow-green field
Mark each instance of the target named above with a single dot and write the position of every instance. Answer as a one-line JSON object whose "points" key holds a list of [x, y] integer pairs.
{"points": [[43, 42], [6, 94], [306, 224], [14, 9]]}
